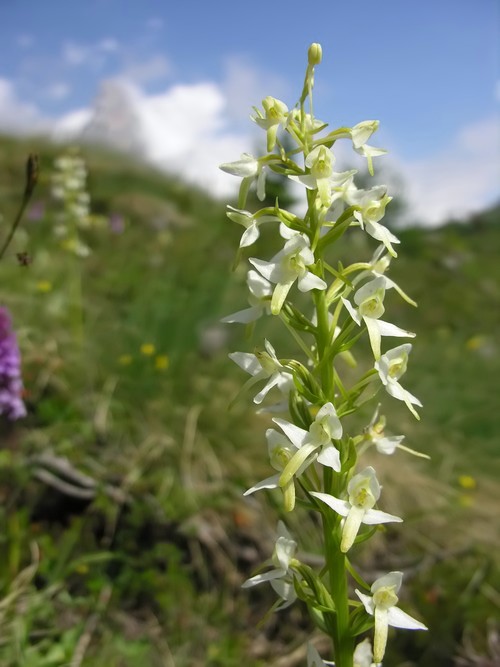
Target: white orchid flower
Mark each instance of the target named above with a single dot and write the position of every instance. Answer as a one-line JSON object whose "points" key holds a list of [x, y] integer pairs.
{"points": [[362, 657], [363, 654], [245, 167], [382, 605], [310, 124], [248, 167], [372, 204], [275, 114], [369, 300], [280, 451], [250, 222], [391, 366], [314, 659], [364, 491], [287, 266], [375, 434], [280, 576], [259, 298], [369, 152], [264, 365], [312, 445], [361, 132], [379, 264], [320, 164]]}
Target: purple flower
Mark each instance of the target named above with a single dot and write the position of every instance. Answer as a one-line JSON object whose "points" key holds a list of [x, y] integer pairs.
{"points": [[11, 384], [116, 223], [36, 211]]}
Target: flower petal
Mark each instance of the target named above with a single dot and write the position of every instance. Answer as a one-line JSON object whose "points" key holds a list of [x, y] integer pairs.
{"points": [[247, 361], [250, 235], [400, 619], [352, 311], [246, 166], [372, 327], [272, 382], [310, 281], [268, 483], [244, 316], [266, 576], [342, 507], [295, 434], [373, 517], [266, 269], [388, 329], [330, 457], [367, 601]]}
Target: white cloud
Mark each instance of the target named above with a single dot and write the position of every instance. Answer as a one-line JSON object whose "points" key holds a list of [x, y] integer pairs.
{"points": [[156, 67], [457, 181], [16, 116], [245, 87], [75, 54], [154, 23], [25, 41], [92, 55], [189, 130], [185, 130], [70, 125], [58, 90], [108, 44]]}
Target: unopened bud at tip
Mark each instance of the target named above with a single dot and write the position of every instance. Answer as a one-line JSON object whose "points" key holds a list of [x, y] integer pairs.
{"points": [[315, 54]]}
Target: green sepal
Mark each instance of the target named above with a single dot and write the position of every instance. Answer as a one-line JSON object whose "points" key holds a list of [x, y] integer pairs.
{"points": [[356, 576], [249, 383], [340, 226], [339, 273], [299, 411], [363, 537], [346, 345], [316, 595], [361, 621], [268, 614], [331, 137], [296, 319], [349, 455], [244, 189], [319, 619], [289, 167], [289, 219], [304, 382]]}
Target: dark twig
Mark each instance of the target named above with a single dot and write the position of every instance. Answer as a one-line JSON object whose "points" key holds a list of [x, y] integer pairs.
{"points": [[32, 172], [60, 474]]}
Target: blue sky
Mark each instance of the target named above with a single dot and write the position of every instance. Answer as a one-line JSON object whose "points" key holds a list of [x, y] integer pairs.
{"points": [[428, 70]]}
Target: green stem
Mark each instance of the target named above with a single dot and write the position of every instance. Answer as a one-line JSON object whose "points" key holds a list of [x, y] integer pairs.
{"points": [[336, 562], [323, 339]]}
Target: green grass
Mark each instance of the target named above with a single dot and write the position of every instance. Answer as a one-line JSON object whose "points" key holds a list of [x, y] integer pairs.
{"points": [[149, 571]]}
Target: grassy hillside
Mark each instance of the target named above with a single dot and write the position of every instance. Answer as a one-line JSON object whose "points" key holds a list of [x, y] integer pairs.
{"points": [[128, 383]]}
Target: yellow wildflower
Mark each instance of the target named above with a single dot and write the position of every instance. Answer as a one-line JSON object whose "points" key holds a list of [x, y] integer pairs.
{"points": [[467, 482], [125, 360], [476, 342], [162, 362], [44, 286]]}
